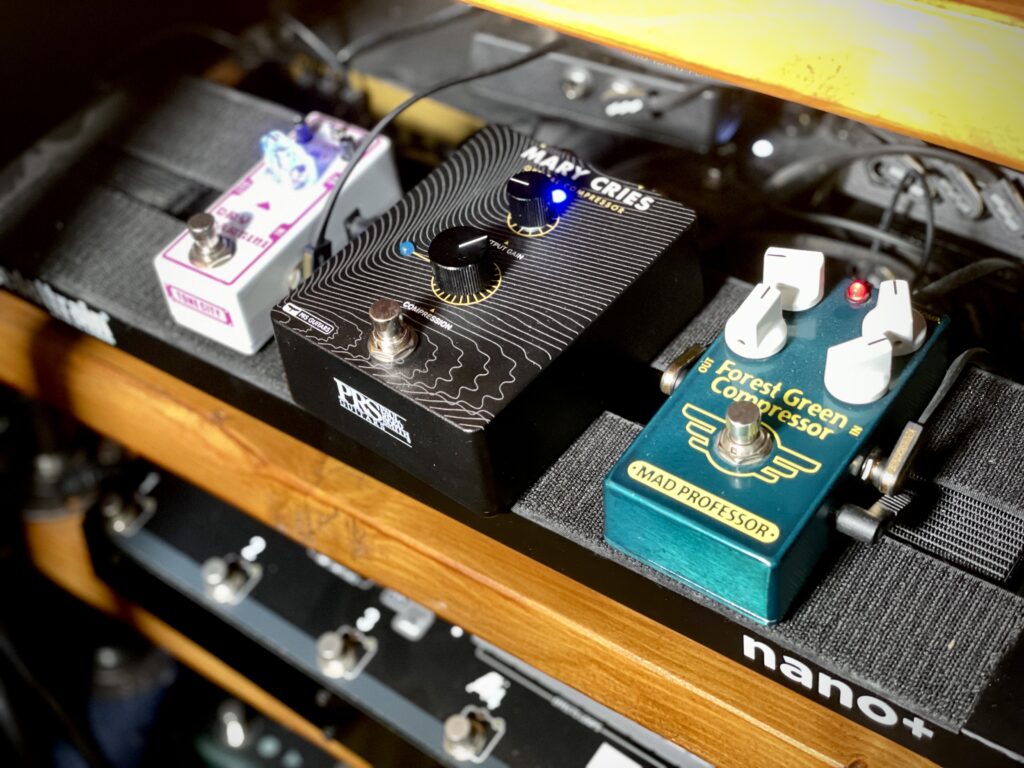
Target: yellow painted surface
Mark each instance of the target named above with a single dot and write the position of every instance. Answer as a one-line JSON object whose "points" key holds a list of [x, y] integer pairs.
{"points": [[950, 73], [441, 122]]}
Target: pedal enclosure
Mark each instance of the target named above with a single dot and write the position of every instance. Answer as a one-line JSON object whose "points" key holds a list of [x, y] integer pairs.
{"points": [[269, 223], [750, 537], [497, 389]]}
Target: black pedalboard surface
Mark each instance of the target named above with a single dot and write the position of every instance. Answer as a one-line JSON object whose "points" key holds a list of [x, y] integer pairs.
{"points": [[537, 291], [319, 636]]}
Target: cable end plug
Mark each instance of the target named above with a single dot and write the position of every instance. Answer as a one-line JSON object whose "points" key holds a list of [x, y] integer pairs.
{"points": [[314, 256]]}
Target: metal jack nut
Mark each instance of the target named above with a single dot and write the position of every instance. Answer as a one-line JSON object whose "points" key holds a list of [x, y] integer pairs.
{"points": [[675, 372], [889, 473], [392, 339]]}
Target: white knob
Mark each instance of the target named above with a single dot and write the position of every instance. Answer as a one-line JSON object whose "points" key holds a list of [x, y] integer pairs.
{"points": [[858, 371], [757, 329], [799, 275], [894, 318]]}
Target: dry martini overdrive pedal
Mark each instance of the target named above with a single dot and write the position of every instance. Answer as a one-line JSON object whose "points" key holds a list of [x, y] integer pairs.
{"points": [[481, 325], [224, 273], [733, 486]]}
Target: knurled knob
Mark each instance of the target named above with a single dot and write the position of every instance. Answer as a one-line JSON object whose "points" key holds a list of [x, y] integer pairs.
{"points": [[463, 261], [529, 200]]}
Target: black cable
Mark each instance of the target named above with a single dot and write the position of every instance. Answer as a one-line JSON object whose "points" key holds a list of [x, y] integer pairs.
{"points": [[890, 211], [796, 177], [949, 380], [321, 244], [82, 740], [313, 42], [929, 228], [878, 133], [867, 231], [911, 175], [960, 277], [374, 39]]}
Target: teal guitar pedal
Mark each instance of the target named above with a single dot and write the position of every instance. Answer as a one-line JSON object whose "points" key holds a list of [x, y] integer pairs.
{"points": [[732, 487]]}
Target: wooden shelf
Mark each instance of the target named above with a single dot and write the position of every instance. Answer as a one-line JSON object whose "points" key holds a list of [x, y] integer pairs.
{"points": [[58, 549], [951, 73], [699, 699]]}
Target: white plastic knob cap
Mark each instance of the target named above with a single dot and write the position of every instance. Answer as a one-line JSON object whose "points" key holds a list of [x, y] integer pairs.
{"points": [[757, 328], [894, 318], [858, 371], [799, 275]]}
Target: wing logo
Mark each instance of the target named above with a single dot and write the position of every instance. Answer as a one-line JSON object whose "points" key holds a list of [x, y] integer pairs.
{"points": [[785, 463]]}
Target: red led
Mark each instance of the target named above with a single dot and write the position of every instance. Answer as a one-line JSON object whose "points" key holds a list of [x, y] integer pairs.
{"points": [[858, 292]]}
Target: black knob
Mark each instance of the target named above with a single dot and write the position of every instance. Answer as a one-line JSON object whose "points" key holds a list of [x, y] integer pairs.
{"points": [[529, 200], [463, 261]]}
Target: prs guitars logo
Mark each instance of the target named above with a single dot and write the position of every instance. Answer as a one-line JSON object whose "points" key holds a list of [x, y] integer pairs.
{"points": [[372, 412]]}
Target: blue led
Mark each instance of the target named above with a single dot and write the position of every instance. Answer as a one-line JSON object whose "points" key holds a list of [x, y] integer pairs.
{"points": [[303, 132], [406, 248], [559, 196]]}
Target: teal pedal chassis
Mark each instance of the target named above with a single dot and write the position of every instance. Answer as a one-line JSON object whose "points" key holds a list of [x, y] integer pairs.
{"points": [[749, 535]]}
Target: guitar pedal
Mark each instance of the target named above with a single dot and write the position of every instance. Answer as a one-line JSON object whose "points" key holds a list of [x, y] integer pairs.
{"points": [[223, 274], [481, 325], [733, 485]]}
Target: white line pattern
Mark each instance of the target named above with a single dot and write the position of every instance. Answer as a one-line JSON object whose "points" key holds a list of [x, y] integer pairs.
{"points": [[546, 300]]}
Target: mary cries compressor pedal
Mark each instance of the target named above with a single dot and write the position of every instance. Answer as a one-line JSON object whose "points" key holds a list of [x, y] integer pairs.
{"points": [[483, 322]]}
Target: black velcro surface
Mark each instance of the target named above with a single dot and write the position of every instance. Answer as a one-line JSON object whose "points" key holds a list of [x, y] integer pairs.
{"points": [[916, 629]]}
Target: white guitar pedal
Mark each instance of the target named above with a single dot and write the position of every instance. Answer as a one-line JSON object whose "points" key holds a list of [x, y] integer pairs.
{"points": [[222, 275]]}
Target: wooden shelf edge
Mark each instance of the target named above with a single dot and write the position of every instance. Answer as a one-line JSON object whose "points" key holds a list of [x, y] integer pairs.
{"points": [[58, 549], [946, 72], [665, 681]]}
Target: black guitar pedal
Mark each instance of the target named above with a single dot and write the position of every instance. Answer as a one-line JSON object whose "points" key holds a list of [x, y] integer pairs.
{"points": [[483, 322]]}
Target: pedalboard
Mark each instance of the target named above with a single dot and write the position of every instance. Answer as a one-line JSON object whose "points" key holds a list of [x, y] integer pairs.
{"points": [[223, 274], [481, 324], [733, 486]]}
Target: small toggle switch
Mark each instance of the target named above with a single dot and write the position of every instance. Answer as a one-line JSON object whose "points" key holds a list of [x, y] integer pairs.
{"points": [[392, 339], [470, 736], [799, 275], [757, 329], [895, 318], [229, 579], [858, 371], [343, 653]]}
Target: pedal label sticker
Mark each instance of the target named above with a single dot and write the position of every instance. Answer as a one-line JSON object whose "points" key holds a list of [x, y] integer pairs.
{"points": [[704, 502], [372, 412]]}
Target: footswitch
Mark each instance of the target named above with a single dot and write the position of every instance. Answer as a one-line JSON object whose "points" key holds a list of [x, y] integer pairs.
{"points": [[732, 486], [482, 324], [223, 274]]}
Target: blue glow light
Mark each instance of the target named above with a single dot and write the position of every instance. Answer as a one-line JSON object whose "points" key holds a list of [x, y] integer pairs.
{"points": [[559, 196], [406, 248]]}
